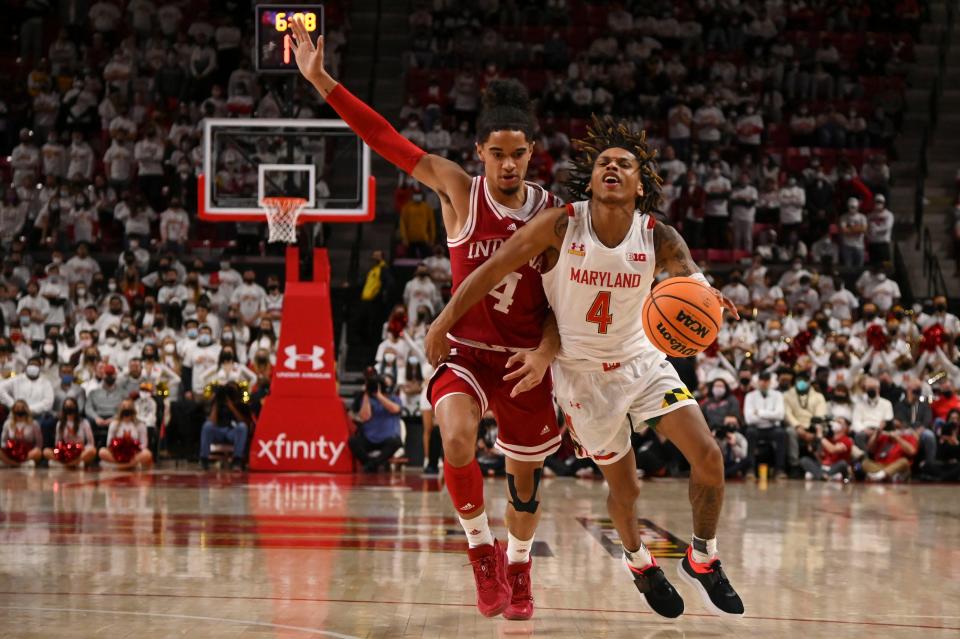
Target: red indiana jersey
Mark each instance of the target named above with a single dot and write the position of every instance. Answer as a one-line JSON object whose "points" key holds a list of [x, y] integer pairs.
{"points": [[511, 316]]}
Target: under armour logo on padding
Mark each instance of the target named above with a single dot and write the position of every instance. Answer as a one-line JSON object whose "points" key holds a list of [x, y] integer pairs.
{"points": [[315, 359]]}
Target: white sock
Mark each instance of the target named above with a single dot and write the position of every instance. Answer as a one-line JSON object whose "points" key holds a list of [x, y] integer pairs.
{"points": [[477, 530], [518, 550], [638, 559], [704, 550]]}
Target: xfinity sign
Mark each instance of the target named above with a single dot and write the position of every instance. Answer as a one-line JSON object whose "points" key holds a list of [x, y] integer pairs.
{"points": [[280, 449]]}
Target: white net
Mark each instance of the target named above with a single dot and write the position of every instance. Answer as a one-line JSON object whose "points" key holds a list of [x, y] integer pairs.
{"points": [[282, 214]]}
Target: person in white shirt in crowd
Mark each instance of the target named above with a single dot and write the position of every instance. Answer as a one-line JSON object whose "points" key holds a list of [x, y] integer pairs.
{"points": [[112, 319], [53, 156], [736, 291], [763, 415], [13, 217], [31, 387], [792, 199], [743, 207], [885, 293], [126, 455], [24, 432], [136, 214], [125, 353], [118, 164], [790, 279], [880, 224], [229, 278], [825, 251], [156, 370], [265, 340], [941, 316], [421, 291], [201, 358], [870, 412], [749, 130], [229, 369], [81, 267], [172, 291], [804, 294], [80, 166], [36, 305], [390, 354], [82, 218], [273, 303], [842, 301], [853, 229], [707, 123], [25, 160], [249, 297], [716, 214], [679, 122], [439, 266]]}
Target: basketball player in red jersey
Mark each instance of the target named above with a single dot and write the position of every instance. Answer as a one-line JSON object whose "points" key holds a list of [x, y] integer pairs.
{"points": [[511, 327], [608, 376]]}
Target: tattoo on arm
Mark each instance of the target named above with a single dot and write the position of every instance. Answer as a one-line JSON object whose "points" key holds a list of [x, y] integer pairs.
{"points": [[706, 502], [560, 225], [672, 253]]}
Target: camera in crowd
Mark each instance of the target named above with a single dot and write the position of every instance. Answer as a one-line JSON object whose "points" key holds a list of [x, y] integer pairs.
{"points": [[823, 424]]}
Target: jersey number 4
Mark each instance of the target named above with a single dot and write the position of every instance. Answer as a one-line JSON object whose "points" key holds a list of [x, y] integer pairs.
{"points": [[504, 291], [599, 312]]}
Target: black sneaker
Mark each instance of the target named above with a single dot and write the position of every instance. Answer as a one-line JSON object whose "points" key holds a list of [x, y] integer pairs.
{"points": [[660, 594], [714, 587]]}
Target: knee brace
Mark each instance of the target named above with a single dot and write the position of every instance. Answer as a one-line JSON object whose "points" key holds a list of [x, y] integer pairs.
{"points": [[529, 506]]}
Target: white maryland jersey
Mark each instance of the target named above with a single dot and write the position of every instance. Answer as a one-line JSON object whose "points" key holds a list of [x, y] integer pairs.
{"points": [[597, 293]]}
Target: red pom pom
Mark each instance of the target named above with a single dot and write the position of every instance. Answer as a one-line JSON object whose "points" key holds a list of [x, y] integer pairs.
{"points": [[17, 449], [932, 338], [801, 342], [124, 448], [66, 452], [712, 350], [877, 337]]}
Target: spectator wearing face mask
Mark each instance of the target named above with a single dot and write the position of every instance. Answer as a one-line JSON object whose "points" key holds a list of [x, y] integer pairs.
{"points": [[67, 388], [228, 422], [102, 402], [21, 441], [870, 412], [792, 199], [126, 441], [801, 403], [853, 229], [913, 410], [418, 230], [885, 293], [764, 412], [228, 369], [734, 448], [833, 452], [945, 401], [201, 358], [941, 316], [249, 298], [720, 404], [716, 217], [439, 266], [391, 353], [112, 319], [32, 388], [74, 438], [273, 304], [422, 292]]}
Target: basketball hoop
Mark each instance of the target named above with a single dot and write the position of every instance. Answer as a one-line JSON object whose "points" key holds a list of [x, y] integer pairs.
{"points": [[282, 215]]}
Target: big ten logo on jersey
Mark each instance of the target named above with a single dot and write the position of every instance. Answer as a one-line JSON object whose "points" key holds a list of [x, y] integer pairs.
{"points": [[636, 257]]}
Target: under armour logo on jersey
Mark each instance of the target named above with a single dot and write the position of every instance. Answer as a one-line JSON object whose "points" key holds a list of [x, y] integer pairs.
{"points": [[512, 227], [577, 249], [636, 257], [315, 358]]}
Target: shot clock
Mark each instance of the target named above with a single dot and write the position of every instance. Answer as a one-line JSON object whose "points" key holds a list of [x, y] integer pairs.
{"points": [[275, 47]]}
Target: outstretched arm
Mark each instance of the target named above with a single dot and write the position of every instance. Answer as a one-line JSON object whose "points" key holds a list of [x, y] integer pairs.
{"points": [[546, 231], [443, 176], [673, 256]]}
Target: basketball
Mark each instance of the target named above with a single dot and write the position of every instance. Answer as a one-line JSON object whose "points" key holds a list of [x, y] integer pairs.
{"points": [[681, 317]]}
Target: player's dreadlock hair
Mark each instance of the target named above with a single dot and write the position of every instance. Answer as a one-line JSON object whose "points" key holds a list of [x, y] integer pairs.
{"points": [[506, 107], [603, 134]]}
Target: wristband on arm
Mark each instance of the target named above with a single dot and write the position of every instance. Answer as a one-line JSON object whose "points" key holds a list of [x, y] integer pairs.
{"points": [[375, 130]]}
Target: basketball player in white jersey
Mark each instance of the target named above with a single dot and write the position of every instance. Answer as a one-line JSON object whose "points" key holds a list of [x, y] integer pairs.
{"points": [[601, 259]]}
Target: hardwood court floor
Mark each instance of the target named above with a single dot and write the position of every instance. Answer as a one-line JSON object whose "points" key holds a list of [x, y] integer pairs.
{"points": [[180, 554]]}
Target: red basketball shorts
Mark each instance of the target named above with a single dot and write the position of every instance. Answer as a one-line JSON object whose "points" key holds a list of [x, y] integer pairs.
{"points": [[526, 424]]}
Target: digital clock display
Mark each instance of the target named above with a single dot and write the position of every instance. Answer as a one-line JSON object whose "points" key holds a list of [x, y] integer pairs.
{"points": [[275, 45]]}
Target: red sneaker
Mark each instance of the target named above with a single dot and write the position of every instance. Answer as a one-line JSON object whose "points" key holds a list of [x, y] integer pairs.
{"points": [[493, 593], [521, 599]]}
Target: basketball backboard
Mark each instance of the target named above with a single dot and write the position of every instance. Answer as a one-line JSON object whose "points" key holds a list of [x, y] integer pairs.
{"points": [[247, 160]]}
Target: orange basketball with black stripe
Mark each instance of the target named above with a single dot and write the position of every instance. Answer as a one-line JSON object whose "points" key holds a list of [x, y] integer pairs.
{"points": [[682, 316]]}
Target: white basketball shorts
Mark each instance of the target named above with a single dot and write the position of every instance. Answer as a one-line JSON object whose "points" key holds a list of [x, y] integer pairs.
{"points": [[602, 407]]}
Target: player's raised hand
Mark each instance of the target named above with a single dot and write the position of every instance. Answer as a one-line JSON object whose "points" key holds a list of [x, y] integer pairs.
{"points": [[309, 56], [436, 344], [726, 303], [533, 364]]}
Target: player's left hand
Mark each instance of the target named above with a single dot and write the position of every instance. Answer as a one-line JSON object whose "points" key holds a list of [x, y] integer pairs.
{"points": [[436, 344], [533, 365], [726, 303]]}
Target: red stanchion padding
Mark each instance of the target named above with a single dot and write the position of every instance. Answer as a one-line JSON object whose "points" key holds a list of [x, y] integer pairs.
{"points": [[303, 425]]}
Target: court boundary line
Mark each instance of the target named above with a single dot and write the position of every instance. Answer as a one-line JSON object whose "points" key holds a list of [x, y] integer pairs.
{"points": [[170, 615], [882, 624]]}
